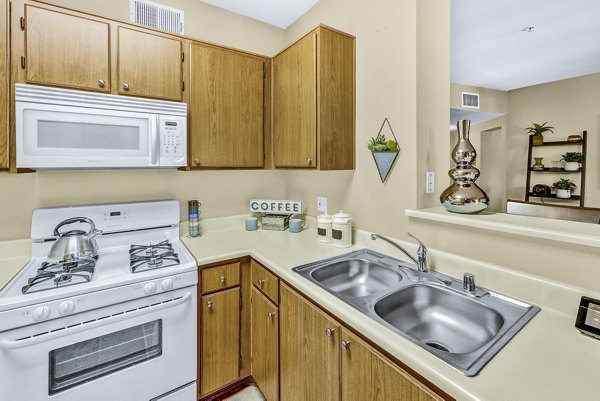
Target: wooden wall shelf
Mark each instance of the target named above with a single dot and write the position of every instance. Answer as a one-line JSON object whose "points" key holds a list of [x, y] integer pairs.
{"points": [[581, 196]]}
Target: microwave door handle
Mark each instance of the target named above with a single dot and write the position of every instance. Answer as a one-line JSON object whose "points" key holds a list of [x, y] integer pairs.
{"points": [[154, 139]]}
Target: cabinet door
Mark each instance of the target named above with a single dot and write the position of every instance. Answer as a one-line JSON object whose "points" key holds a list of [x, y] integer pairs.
{"points": [[294, 105], [66, 50], [367, 375], [226, 108], [149, 65], [220, 351], [4, 84], [265, 345], [309, 351]]}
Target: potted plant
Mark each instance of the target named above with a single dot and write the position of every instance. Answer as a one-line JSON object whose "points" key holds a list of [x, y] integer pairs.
{"points": [[537, 131], [384, 152], [564, 188], [572, 160]]}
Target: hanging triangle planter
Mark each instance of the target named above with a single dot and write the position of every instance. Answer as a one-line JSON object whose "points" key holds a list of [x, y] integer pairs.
{"points": [[384, 162], [385, 159]]}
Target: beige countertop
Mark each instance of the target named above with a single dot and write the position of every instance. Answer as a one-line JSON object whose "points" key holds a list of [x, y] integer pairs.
{"points": [[548, 360]]}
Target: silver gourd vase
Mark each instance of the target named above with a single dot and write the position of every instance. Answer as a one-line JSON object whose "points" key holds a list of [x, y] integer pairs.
{"points": [[463, 195]]}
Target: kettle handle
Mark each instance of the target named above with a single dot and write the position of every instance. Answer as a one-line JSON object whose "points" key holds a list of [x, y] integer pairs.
{"points": [[92, 233]]}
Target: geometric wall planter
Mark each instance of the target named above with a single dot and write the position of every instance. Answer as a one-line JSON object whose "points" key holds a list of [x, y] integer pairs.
{"points": [[384, 160]]}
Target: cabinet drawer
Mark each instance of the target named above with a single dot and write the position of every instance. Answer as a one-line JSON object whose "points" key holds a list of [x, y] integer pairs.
{"points": [[265, 281], [219, 277]]}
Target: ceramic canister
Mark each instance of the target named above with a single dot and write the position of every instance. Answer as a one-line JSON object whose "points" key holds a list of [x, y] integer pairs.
{"points": [[324, 227], [341, 230]]}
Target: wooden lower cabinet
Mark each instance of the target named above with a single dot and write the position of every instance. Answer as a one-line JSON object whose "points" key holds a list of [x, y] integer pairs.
{"points": [[309, 351], [220, 339], [368, 375], [265, 345]]}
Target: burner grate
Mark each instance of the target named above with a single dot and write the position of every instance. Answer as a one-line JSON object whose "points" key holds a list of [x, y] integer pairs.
{"points": [[152, 256], [61, 274]]}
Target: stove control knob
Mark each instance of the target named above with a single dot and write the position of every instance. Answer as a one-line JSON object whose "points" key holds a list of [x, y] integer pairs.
{"points": [[41, 313], [149, 288], [66, 307], [167, 284]]}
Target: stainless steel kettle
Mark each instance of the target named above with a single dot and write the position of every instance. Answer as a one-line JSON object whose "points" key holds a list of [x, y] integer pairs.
{"points": [[74, 244]]}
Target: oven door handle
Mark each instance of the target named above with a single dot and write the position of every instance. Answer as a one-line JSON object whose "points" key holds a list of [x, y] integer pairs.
{"points": [[17, 344]]}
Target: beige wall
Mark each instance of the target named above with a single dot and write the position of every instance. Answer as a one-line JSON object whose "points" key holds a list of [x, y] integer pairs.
{"points": [[490, 100], [572, 106], [433, 74], [388, 64], [221, 192]]}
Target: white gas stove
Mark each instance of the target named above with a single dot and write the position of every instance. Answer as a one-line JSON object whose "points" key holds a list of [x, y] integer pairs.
{"points": [[118, 326]]}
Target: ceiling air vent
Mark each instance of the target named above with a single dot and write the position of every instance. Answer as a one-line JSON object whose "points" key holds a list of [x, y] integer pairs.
{"points": [[470, 100], [157, 16]]}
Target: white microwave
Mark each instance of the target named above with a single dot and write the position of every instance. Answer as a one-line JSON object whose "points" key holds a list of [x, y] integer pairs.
{"points": [[68, 129]]}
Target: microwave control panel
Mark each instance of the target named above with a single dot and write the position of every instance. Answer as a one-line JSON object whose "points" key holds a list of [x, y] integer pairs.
{"points": [[173, 139]]}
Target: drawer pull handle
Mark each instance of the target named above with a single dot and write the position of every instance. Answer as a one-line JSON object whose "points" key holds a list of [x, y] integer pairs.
{"points": [[271, 315], [209, 305], [262, 281], [329, 332], [126, 86], [101, 83], [223, 280], [345, 344]]}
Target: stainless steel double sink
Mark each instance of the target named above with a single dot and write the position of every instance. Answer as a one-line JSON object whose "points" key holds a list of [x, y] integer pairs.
{"points": [[430, 309]]}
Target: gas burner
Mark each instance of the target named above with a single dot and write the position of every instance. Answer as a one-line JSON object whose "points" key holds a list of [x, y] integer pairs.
{"points": [[69, 266], [150, 257]]}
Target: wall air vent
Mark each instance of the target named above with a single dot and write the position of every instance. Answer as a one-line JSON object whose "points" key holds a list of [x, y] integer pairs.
{"points": [[156, 15], [470, 100]]}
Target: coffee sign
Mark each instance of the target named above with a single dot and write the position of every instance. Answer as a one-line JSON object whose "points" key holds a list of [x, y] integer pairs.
{"points": [[275, 206]]}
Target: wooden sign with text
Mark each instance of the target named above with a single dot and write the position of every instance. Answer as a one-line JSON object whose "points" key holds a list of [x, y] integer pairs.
{"points": [[275, 206]]}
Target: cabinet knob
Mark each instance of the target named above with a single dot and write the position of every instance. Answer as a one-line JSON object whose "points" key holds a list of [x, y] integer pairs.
{"points": [[345, 344], [125, 86], [271, 315], [261, 281], [101, 83], [209, 305], [196, 162], [329, 332], [309, 161], [223, 280]]}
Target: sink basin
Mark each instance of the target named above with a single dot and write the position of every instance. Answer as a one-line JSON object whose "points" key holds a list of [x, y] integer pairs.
{"points": [[355, 277], [431, 310], [440, 318]]}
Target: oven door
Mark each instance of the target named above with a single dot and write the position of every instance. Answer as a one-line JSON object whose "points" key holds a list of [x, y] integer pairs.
{"points": [[135, 351], [52, 136]]}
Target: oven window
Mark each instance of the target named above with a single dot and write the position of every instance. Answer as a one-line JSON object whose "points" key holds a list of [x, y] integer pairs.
{"points": [[88, 360]]}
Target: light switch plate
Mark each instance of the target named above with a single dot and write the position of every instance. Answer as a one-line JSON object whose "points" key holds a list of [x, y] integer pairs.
{"points": [[430, 184], [322, 204]]}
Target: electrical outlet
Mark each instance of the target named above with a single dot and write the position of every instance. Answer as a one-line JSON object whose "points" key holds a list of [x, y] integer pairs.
{"points": [[322, 204], [430, 183]]}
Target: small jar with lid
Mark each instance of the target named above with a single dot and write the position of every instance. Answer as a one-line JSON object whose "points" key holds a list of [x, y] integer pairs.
{"points": [[341, 230], [324, 227]]}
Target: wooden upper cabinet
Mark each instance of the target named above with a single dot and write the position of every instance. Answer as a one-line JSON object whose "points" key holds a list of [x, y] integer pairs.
{"points": [[368, 375], [265, 345], [294, 105], [4, 84], [309, 351], [226, 108], [314, 102], [150, 65], [220, 339], [66, 50]]}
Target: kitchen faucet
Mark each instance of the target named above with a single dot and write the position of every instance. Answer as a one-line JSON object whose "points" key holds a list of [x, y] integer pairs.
{"points": [[421, 260]]}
